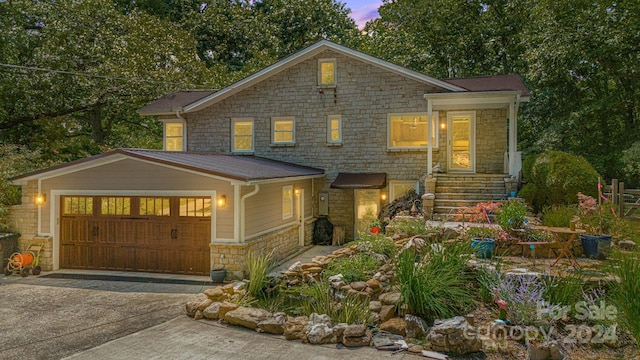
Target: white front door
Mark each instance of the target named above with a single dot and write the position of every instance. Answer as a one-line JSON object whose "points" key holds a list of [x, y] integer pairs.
{"points": [[367, 206], [461, 144]]}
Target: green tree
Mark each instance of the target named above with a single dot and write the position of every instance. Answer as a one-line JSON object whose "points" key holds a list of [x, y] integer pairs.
{"points": [[109, 64]]}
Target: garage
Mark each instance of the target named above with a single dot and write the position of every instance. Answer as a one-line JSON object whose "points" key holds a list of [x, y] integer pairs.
{"points": [[169, 234]]}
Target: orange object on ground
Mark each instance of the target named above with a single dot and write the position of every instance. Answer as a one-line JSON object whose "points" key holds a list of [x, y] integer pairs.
{"points": [[23, 259]]}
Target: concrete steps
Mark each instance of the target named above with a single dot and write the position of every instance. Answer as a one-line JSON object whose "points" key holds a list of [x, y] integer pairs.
{"points": [[454, 192]]}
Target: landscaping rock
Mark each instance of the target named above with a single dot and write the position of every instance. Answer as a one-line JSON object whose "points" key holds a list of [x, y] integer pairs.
{"points": [[375, 306], [296, 328], [198, 315], [364, 340], [212, 312], [225, 307], [627, 245], [217, 294], [297, 266], [358, 285], [319, 329], [274, 324], [395, 326], [374, 284], [338, 331], [416, 327], [205, 304], [246, 317], [544, 351], [336, 281], [390, 298], [416, 349], [192, 306], [355, 331], [449, 336], [228, 289], [387, 312]]}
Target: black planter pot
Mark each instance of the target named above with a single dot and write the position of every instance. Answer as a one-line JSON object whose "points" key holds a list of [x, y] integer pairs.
{"points": [[217, 276]]}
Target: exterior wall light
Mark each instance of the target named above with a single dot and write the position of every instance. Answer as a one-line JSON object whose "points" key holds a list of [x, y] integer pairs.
{"points": [[40, 199], [383, 197], [222, 201], [297, 191], [443, 125]]}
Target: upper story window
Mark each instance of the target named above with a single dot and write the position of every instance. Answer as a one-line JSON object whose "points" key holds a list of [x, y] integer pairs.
{"points": [[334, 129], [327, 72], [283, 131], [242, 135], [409, 131], [174, 139]]}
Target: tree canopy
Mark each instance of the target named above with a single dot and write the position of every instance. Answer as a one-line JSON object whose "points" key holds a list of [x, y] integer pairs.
{"points": [[72, 73]]}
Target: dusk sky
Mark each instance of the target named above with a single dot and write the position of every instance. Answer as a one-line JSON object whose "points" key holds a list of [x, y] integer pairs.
{"points": [[363, 10]]}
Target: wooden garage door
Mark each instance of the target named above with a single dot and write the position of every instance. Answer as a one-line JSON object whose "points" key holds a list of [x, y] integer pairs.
{"points": [[153, 234]]}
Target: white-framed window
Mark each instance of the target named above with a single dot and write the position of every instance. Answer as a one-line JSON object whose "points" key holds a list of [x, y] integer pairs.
{"points": [[283, 130], [242, 135], [287, 202], [327, 72], [400, 188], [334, 129], [174, 136], [409, 131]]}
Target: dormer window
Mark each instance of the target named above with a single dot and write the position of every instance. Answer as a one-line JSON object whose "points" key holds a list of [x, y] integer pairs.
{"points": [[327, 72], [174, 136]]}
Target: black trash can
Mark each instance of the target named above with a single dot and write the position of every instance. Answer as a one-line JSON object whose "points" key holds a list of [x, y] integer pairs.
{"points": [[8, 245]]}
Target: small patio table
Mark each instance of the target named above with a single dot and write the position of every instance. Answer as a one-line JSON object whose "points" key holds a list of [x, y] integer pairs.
{"points": [[565, 237]]}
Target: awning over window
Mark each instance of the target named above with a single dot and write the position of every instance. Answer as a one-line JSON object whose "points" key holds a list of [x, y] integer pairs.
{"points": [[360, 181]]}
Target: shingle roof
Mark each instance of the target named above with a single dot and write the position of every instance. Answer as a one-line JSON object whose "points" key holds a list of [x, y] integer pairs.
{"points": [[491, 83], [235, 167], [176, 100]]}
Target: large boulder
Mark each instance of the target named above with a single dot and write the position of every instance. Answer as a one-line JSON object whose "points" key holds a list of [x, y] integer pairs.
{"points": [[212, 312], [452, 336], [296, 328], [395, 326], [390, 298], [246, 316], [274, 324], [319, 329]]}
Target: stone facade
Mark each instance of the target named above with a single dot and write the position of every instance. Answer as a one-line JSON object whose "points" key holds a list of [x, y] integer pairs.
{"points": [[364, 97], [283, 242]]}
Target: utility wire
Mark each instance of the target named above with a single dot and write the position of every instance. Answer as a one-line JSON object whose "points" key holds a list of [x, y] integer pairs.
{"points": [[33, 68]]}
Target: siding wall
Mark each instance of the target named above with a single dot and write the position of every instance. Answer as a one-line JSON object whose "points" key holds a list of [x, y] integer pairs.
{"points": [[135, 175]]}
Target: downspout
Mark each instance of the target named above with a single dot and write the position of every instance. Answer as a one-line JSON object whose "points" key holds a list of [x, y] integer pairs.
{"points": [[242, 210]]}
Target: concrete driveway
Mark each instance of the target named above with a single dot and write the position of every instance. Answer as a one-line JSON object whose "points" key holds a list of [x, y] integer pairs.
{"points": [[43, 318]]}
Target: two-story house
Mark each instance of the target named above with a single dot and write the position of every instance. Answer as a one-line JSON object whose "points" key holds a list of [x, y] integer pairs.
{"points": [[328, 131]]}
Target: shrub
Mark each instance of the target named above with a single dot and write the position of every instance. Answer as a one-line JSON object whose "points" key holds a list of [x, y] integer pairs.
{"points": [[624, 293], [411, 226], [477, 213], [481, 233], [558, 215], [354, 268], [259, 264], [318, 299], [555, 179], [438, 285], [631, 165], [380, 244], [511, 215]]}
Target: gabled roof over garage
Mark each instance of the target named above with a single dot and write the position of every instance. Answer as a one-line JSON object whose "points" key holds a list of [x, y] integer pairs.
{"points": [[249, 169]]}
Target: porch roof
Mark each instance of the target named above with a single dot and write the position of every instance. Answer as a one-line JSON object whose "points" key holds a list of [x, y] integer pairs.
{"points": [[360, 181]]}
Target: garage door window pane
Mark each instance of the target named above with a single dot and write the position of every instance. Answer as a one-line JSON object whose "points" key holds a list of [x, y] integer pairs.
{"points": [[196, 207], [78, 205], [115, 205], [155, 206]]}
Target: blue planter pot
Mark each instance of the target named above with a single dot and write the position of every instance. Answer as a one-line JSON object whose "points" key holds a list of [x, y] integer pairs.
{"points": [[217, 276], [596, 246], [483, 247]]}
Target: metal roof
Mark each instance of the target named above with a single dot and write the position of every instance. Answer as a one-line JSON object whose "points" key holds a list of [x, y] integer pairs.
{"points": [[235, 167]]}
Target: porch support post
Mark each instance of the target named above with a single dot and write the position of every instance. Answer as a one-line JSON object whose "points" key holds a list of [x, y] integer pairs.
{"points": [[513, 138], [429, 137], [236, 212]]}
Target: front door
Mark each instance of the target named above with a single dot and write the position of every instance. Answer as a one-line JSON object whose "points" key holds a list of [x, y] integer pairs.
{"points": [[461, 142], [367, 206]]}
